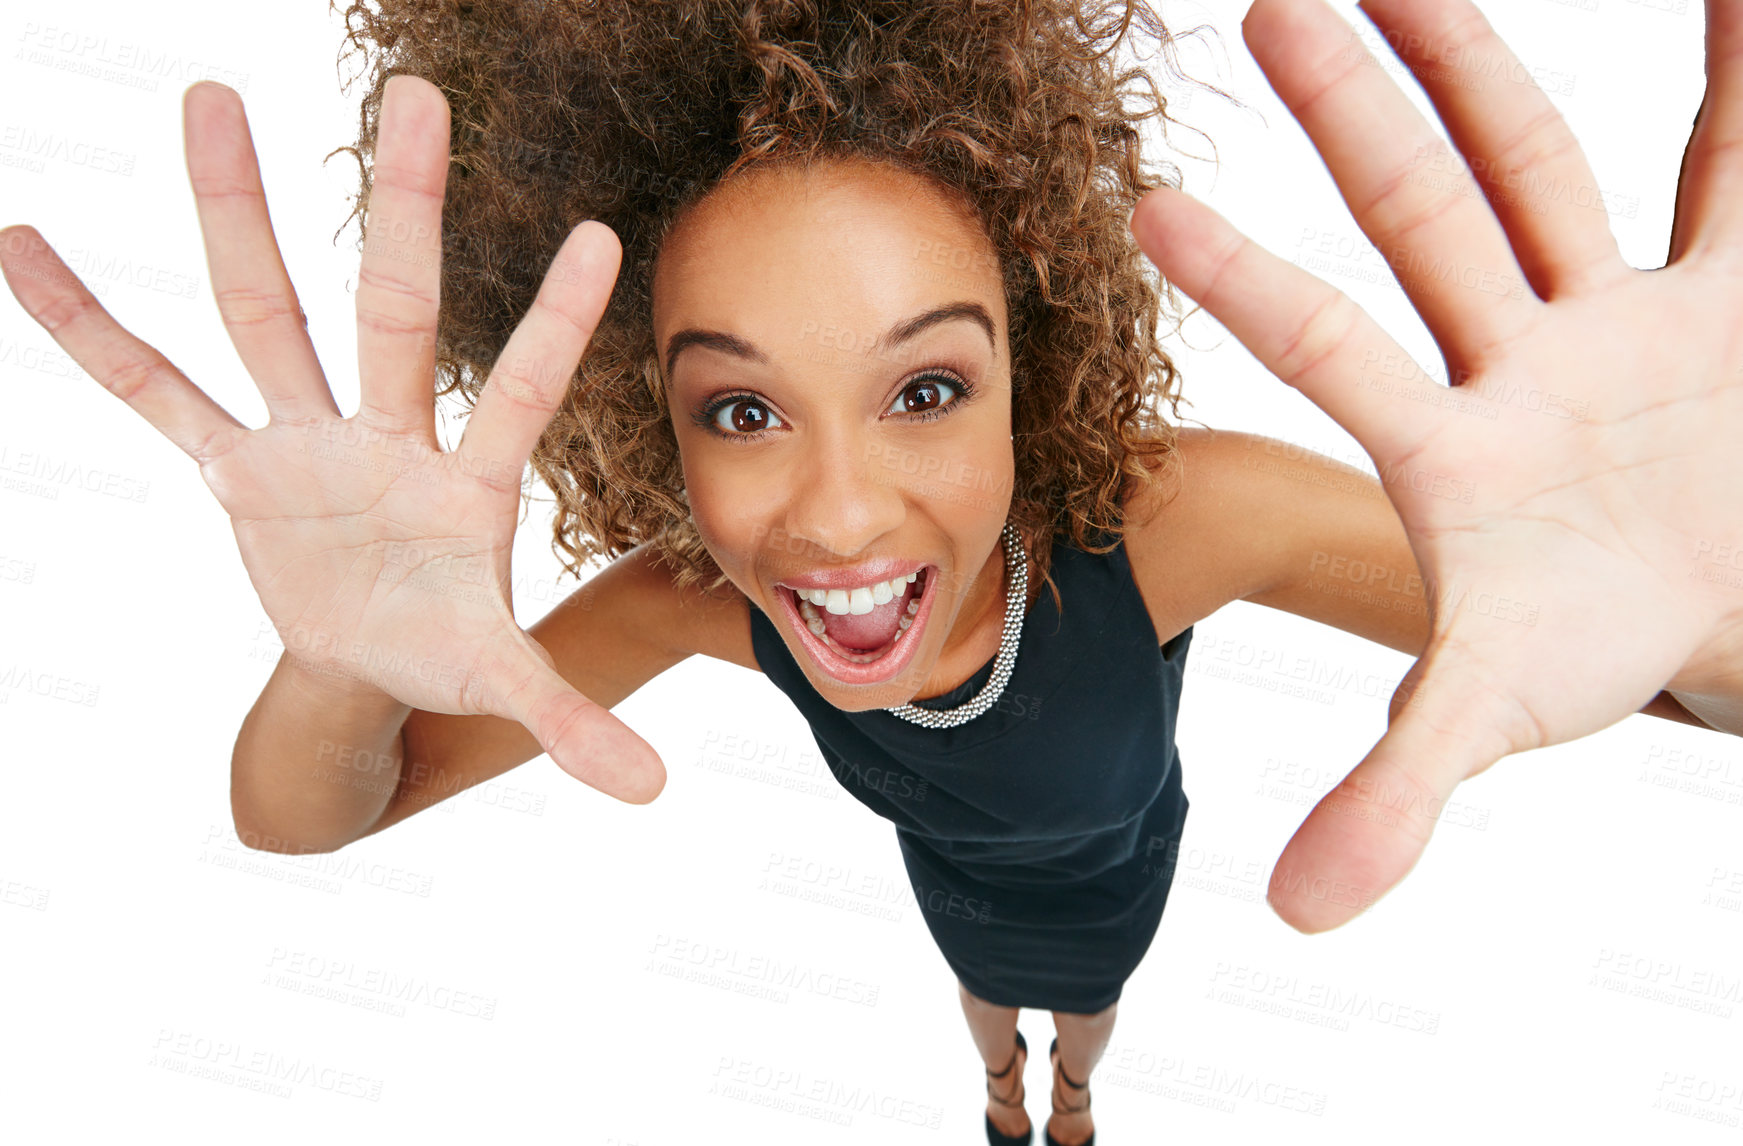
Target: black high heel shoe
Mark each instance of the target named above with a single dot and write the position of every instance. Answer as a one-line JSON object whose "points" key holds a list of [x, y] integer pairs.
{"points": [[994, 1135], [1058, 1109]]}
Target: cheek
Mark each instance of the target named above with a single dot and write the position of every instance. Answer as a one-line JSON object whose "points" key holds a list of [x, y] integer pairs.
{"points": [[730, 507], [733, 536], [966, 472]]}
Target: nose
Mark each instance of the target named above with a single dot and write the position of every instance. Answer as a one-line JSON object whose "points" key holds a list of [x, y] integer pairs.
{"points": [[841, 499]]}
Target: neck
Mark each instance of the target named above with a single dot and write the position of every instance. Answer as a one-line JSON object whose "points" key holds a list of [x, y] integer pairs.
{"points": [[974, 637]]}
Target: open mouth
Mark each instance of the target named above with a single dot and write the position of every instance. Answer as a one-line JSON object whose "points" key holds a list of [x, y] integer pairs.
{"points": [[866, 647]]}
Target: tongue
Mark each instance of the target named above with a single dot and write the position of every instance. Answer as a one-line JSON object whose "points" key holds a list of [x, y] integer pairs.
{"points": [[866, 631], [873, 630]]}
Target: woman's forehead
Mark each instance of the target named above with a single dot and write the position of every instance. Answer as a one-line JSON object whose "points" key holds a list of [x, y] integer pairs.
{"points": [[832, 209]]}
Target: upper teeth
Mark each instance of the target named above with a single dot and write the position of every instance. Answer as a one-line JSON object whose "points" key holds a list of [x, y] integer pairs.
{"points": [[859, 600]]}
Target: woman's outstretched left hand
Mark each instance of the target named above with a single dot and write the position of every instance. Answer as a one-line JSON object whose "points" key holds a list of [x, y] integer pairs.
{"points": [[1575, 503]]}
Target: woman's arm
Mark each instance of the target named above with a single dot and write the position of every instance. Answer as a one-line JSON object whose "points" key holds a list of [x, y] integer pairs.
{"points": [[304, 773], [321, 762]]}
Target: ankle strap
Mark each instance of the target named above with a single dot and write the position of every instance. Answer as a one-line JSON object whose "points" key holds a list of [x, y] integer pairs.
{"points": [[1059, 1068], [1058, 1109], [990, 1075], [1021, 1046]]}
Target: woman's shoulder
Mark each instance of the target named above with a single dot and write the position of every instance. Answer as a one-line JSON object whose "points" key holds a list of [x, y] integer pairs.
{"points": [[633, 614], [1208, 530], [714, 624]]}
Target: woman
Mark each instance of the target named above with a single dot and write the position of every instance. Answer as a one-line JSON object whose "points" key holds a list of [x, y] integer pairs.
{"points": [[784, 183]]}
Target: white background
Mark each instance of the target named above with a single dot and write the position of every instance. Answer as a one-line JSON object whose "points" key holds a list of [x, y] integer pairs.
{"points": [[510, 966]]}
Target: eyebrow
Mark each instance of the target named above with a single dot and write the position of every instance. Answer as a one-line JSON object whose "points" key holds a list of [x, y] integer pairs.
{"points": [[902, 332], [714, 340]]}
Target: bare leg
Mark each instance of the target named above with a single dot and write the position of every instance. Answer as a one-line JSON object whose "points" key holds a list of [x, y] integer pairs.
{"points": [[1082, 1038], [995, 1036]]}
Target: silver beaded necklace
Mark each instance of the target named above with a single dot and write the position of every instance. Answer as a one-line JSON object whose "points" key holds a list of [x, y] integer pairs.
{"points": [[1016, 596]]}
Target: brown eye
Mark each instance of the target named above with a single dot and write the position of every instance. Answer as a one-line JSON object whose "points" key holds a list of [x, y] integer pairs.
{"points": [[924, 395], [742, 417]]}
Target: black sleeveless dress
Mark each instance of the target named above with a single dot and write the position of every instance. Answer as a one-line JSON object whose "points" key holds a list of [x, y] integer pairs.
{"points": [[1040, 837]]}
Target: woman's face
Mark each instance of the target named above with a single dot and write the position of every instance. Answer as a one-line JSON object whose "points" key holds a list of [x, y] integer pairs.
{"points": [[833, 341]]}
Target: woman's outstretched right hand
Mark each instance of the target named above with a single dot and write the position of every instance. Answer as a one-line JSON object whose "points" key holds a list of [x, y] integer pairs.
{"points": [[379, 556]]}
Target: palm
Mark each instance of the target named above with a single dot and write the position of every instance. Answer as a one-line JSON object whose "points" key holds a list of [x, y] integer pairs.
{"points": [[1563, 498], [379, 556], [1568, 579]]}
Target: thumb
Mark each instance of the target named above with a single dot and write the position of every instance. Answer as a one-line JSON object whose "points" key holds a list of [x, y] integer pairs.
{"points": [[1447, 722], [583, 738]]}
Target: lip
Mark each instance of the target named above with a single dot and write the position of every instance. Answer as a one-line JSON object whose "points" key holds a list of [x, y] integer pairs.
{"points": [[885, 667], [867, 574]]}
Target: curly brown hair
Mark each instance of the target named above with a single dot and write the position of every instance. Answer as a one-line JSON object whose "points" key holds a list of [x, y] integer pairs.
{"points": [[629, 112]]}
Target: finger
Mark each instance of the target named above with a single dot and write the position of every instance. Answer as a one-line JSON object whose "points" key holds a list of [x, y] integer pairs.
{"points": [[1679, 223], [125, 366], [533, 372], [255, 297], [1304, 331], [582, 738], [1442, 242], [399, 281], [1709, 196], [1447, 722], [1521, 151]]}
